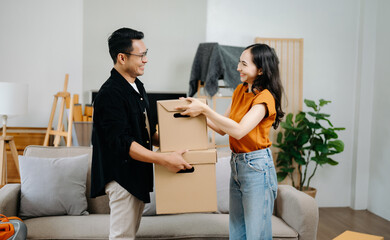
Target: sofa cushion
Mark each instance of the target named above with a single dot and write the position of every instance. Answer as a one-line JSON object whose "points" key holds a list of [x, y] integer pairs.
{"points": [[150, 208], [280, 229], [178, 226], [96, 226], [93, 226], [223, 180], [53, 186]]}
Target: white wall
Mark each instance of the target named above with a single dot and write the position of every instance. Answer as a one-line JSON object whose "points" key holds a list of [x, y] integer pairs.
{"points": [[173, 29], [379, 186], [365, 72], [330, 30], [41, 41]]}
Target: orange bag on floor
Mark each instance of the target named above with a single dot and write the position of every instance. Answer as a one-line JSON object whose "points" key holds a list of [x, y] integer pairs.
{"points": [[12, 228]]}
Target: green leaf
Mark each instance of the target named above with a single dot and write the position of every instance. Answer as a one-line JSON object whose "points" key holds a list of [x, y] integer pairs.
{"points": [[289, 170], [338, 145], [323, 148], [300, 160], [280, 163], [289, 139], [283, 159], [314, 125], [329, 133], [339, 129], [302, 125], [319, 115], [294, 152], [281, 176], [280, 137], [283, 163], [286, 126], [306, 148], [315, 159], [324, 102], [289, 118], [320, 159], [329, 122], [281, 155], [278, 145], [311, 104], [316, 141], [332, 152], [303, 138], [323, 115], [332, 162], [300, 116]]}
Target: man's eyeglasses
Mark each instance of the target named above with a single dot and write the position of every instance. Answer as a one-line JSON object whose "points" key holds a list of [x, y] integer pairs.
{"points": [[142, 56]]}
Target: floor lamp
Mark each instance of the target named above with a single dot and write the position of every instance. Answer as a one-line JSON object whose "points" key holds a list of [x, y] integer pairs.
{"points": [[13, 102]]}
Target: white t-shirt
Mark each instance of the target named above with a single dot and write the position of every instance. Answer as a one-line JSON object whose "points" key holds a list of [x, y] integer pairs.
{"points": [[146, 114], [134, 86]]}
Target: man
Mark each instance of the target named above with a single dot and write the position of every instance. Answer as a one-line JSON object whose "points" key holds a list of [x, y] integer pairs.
{"points": [[122, 161]]}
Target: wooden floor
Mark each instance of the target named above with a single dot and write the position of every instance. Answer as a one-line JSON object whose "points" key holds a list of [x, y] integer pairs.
{"points": [[334, 221]]}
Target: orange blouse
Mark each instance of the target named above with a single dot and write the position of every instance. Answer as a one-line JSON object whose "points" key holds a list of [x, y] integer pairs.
{"points": [[257, 138]]}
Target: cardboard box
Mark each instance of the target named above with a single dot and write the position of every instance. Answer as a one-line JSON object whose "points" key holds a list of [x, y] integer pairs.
{"points": [[177, 132], [188, 192], [82, 133], [349, 235]]}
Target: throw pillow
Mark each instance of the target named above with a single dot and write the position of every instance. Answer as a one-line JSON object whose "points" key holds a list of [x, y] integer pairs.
{"points": [[53, 186]]}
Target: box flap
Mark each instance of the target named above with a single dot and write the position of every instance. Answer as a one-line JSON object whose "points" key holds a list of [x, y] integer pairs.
{"points": [[169, 105], [201, 156]]}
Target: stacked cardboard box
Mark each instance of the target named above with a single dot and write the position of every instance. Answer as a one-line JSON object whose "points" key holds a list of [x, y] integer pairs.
{"points": [[82, 123], [190, 191]]}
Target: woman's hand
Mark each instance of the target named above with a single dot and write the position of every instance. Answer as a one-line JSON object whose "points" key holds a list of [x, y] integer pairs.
{"points": [[194, 109]]}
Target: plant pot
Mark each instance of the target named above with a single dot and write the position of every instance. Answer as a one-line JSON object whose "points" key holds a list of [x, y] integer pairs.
{"points": [[310, 191]]}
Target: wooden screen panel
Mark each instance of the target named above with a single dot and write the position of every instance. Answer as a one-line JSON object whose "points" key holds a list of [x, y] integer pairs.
{"points": [[290, 54]]}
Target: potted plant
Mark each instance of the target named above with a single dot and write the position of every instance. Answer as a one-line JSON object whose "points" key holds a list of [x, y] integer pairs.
{"points": [[307, 141]]}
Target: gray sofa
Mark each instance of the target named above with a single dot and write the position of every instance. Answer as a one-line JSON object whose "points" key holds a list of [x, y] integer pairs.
{"points": [[296, 214]]}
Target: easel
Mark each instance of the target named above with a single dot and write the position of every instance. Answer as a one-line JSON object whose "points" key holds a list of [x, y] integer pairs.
{"points": [[64, 95], [4, 139]]}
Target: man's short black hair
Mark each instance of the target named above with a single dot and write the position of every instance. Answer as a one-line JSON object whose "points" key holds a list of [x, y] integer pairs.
{"points": [[122, 41]]}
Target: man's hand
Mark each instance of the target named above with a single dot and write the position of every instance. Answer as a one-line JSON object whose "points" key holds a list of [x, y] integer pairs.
{"points": [[175, 162]]}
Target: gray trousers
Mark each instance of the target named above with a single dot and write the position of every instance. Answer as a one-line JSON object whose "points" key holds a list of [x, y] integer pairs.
{"points": [[126, 212]]}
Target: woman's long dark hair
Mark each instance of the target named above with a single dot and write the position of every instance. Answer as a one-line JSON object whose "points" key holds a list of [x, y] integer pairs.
{"points": [[266, 59]]}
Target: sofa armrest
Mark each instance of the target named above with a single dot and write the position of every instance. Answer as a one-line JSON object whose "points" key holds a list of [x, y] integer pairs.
{"points": [[298, 210], [9, 199]]}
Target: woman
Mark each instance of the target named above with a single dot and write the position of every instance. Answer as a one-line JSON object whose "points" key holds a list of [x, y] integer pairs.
{"points": [[255, 108]]}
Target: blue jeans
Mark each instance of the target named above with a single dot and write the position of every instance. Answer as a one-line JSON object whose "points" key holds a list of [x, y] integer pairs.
{"points": [[253, 189]]}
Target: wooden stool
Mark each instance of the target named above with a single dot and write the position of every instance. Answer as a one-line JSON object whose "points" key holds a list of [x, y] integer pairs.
{"points": [[4, 139]]}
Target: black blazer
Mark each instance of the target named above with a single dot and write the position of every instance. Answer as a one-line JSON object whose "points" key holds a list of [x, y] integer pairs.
{"points": [[118, 120]]}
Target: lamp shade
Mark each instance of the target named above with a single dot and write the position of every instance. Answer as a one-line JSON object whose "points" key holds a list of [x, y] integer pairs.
{"points": [[13, 98]]}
